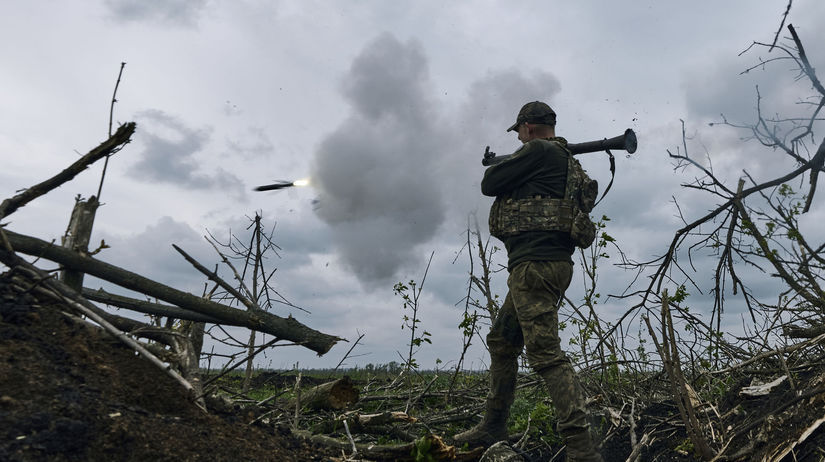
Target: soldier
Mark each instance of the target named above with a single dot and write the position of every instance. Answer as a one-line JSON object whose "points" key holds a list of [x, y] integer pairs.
{"points": [[539, 246]]}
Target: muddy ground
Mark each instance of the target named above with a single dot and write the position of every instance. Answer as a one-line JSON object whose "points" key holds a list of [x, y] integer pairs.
{"points": [[69, 392]]}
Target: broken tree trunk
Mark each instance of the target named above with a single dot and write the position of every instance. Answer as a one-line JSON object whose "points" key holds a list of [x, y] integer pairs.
{"points": [[335, 395], [285, 328], [77, 237]]}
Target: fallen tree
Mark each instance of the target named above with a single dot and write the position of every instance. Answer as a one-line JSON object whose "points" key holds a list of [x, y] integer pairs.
{"points": [[184, 342], [285, 328]]}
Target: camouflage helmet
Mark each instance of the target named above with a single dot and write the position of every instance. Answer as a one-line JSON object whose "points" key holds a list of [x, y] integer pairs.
{"points": [[535, 112]]}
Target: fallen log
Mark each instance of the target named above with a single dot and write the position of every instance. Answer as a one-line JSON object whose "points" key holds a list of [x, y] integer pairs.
{"points": [[335, 395], [142, 306], [285, 328]]}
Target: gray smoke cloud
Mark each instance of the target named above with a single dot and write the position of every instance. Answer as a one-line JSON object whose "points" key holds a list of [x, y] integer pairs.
{"points": [[401, 167], [374, 172], [490, 107]]}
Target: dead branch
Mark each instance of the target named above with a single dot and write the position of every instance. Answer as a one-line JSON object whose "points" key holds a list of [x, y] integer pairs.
{"points": [[213, 276], [285, 328], [142, 306], [108, 147], [111, 115], [767, 354], [670, 359]]}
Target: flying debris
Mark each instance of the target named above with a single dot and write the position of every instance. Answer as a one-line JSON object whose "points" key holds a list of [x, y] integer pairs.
{"points": [[282, 185]]}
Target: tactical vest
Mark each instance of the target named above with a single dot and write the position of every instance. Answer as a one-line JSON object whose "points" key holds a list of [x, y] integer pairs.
{"points": [[509, 216]]}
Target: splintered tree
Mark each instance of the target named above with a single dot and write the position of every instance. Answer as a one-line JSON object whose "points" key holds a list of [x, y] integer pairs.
{"points": [[254, 282], [753, 239]]}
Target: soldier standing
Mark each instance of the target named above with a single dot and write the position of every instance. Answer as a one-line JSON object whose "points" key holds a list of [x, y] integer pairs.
{"points": [[533, 220]]}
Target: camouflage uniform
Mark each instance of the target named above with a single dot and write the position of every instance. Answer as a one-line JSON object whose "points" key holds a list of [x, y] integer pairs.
{"points": [[529, 319], [541, 269]]}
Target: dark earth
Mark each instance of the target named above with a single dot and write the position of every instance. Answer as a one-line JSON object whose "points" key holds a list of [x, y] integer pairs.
{"points": [[70, 392]]}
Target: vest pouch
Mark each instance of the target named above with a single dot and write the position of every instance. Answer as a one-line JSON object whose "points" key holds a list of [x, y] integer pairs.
{"points": [[583, 231]]}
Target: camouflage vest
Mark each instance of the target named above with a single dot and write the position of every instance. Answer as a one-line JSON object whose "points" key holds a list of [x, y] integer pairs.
{"points": [[509, 216]]}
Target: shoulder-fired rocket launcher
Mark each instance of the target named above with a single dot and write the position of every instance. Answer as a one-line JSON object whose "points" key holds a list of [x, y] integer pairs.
{"points": [[624, 142]]}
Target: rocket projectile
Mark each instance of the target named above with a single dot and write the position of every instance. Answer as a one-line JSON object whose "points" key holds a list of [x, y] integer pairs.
{"points": [[274, 186], [282, 185]]}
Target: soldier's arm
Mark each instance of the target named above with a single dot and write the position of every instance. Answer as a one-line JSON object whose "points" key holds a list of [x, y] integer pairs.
{"points": [[510, 174]]}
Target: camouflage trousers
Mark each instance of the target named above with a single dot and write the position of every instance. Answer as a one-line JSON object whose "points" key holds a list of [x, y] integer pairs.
{"points": [[529, 318]]}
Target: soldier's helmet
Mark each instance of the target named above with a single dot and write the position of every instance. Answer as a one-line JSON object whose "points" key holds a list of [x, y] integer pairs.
{"points": [[535, 112]]}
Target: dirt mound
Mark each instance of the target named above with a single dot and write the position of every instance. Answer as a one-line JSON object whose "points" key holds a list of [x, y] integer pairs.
{"points": [[71, 392]]}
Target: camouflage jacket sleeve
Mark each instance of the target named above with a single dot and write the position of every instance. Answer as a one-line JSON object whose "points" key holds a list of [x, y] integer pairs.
{"points": [[504, 177]]}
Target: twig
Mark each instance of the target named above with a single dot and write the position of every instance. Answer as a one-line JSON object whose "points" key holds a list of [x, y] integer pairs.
{"points": [[111, 115], [213, 276], [523, 440], [413, 402], [360, 336], [297, 401], [779, 351], [782, 24], [632, 430], [349, 436], [236, 365]]}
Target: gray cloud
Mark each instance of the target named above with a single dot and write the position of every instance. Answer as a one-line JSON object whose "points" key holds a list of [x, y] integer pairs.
{"points": [[373, 173], [171, 152], [150, 254], [498, 91], [166, 12], [401, 168], [255, 143], [481, 119]]}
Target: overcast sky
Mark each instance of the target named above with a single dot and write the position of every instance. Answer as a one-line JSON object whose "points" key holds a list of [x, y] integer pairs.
{"points": [[386, 107]]}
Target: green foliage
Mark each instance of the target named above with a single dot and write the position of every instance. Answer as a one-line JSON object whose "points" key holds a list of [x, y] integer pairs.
{"points": [[685, 446], [421, 450], [468, 323], [409, 296], [680, 295], [541, 416]]}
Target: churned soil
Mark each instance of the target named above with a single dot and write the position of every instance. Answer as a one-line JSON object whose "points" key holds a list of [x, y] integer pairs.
{"points": [[70, 392]]}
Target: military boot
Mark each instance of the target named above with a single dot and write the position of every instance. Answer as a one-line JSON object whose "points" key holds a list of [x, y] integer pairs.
{"points": [[568, 398], [493, 427], [580, 447]]}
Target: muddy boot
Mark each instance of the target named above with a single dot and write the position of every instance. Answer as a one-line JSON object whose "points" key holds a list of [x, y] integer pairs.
{"points": [[580, 447], [493, 427], [568, 398]]}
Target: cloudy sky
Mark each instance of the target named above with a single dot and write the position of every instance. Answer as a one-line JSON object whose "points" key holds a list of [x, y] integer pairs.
{"points": [[386, 107]]}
